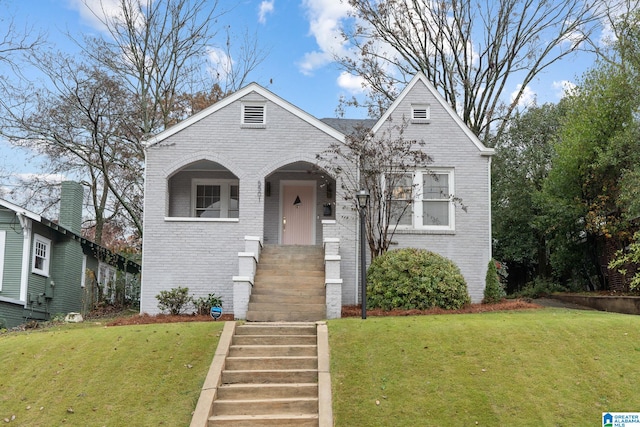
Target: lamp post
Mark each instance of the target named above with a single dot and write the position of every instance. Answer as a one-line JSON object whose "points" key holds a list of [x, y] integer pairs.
{"points": [[363, 200]]}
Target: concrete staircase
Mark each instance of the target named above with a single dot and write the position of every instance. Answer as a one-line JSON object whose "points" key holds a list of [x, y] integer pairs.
{"points": [[270, 377], [288, 285]]}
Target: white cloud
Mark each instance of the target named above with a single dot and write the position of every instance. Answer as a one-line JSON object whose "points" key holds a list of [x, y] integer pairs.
{"points": [[324, 25], [266, 7], [221, 64], [563, 88], [93, 12], [527, 98], [351, 83]]}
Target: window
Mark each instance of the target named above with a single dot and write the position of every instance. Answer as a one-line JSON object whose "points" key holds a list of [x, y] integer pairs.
{"points": [[41, 255], [420, 113], [253, 114], [401, 200], [106, 274], [430, 194], [216, 198], [436, 199]]}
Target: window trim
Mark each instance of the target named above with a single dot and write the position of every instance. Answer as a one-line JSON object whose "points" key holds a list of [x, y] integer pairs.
{"points": [[44, 271], [225, 196], [416, 210]]}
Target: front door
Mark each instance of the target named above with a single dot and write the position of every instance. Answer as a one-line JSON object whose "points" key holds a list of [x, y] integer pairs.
{"points": [[298, 213]]}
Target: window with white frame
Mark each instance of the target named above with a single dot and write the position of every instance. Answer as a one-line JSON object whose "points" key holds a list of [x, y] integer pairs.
{"points": [[41, 255], [431, 197], [253, 113], [106, 275], [215, 198]]}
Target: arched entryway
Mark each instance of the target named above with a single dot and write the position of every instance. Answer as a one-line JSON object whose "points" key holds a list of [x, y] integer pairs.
{"points": [[298, 197]]}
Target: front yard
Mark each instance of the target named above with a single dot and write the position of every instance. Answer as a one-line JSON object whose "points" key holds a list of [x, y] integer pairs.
{"points": [[519, 368]]}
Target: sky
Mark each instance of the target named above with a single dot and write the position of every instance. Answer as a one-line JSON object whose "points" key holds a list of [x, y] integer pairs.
{"points": [[298, 36]]}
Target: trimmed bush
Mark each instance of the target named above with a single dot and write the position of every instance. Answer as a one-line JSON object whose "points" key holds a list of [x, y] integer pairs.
{"points": [[493, 289], [173, 300], [415, 279]]}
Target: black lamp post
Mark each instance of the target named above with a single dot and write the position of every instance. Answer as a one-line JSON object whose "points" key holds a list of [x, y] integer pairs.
{"points": [[363, 201]]}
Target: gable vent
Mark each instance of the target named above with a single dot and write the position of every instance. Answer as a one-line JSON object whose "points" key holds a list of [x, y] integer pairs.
{"points": [[253, 115], [420, 113]]}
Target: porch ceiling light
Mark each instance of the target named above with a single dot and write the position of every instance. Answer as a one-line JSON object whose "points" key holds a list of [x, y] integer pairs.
{"points": [[363, 198]]}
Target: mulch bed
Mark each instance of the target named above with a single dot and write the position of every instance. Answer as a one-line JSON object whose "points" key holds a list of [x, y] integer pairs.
{"points": [[347, 311]]}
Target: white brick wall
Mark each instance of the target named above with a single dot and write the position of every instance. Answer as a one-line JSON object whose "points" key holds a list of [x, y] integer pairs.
{"points": [[204, 255]]}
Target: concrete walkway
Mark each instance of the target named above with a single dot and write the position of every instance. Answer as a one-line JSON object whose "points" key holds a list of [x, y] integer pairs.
{"points": [[214, 383]]}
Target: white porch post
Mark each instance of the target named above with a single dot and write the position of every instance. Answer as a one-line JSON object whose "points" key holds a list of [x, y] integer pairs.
{"points": [[243, 282], [333, 280]]}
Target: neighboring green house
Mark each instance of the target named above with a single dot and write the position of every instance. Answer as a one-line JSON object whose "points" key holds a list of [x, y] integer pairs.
{"points": [[47, 267]]}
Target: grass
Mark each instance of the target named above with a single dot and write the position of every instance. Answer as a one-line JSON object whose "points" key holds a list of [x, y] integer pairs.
{"points": [[91, 375], [551, 367]]}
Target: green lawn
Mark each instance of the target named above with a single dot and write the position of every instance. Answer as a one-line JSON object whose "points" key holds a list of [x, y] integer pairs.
{"points": [[547, 367], [90, 375]]}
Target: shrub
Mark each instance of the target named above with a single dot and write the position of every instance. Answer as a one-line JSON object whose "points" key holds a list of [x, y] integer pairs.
{"points": [[539, 287], [493, 288], [203, 304], [173, 300], [415, 279]]}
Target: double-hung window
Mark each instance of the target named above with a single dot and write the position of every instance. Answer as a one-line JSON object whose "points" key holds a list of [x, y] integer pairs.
{"points": [[430, 196], [436, 199], [41, 255], [215, 198]]}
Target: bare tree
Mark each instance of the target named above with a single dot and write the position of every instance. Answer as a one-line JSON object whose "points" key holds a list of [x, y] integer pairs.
{"points": [[149, 70], [380, 164], [15, 41], [160, 48], [472, 51], [84, 122]]}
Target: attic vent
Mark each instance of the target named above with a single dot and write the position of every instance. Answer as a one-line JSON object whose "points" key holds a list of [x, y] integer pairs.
{"points": [[253, 114], [420, 113]]}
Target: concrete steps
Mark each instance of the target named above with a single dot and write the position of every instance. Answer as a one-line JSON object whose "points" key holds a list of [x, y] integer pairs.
{"points": [[288, 285], [269, 377]]}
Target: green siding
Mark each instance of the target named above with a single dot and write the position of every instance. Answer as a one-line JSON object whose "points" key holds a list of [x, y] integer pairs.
{"points": [[11, 314], [12, 255]]}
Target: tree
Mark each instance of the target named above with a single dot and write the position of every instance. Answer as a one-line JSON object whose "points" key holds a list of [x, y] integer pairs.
{"points": [[84, 123], [586, 212], [148, 72], [519, 169], [473, 52], [379, 164], [14, 41], [159, 48]]}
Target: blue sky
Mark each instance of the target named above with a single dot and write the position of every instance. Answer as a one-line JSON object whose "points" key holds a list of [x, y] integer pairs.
{"points": [[298, 35]]}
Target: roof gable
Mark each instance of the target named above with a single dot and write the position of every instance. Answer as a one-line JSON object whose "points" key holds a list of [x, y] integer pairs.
{"points": [[236, 96], [420, 77]]}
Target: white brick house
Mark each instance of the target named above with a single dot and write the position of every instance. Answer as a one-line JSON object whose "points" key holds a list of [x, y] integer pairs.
{"points": [[238, 175]]}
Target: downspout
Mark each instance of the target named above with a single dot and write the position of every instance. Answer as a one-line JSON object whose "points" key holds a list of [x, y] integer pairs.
{"points": [[26, 252], [490, 213], [356, 247]]}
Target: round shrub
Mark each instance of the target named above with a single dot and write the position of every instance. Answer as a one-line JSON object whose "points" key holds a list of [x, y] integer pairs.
{"points": [[415, 279]]}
